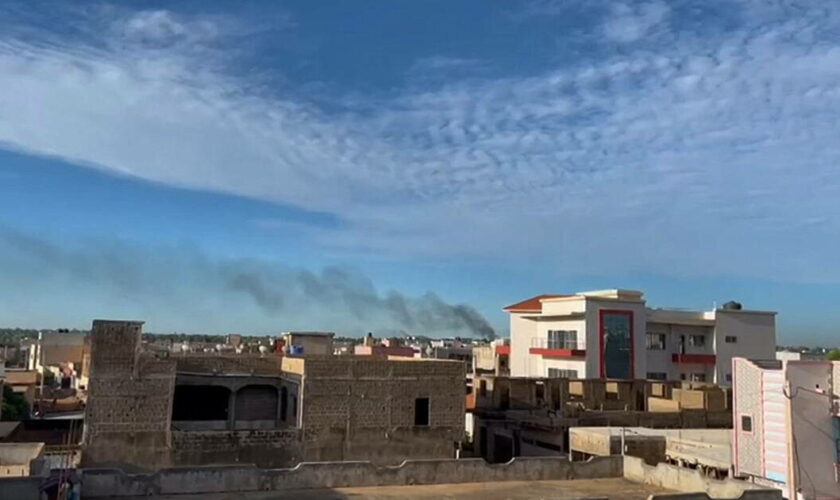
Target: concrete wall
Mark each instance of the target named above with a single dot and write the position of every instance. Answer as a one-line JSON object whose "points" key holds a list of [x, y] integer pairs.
{"points": [[811, 422], [756, 333], [20, 488], [113, 483], [747, 495], [683, 479]]}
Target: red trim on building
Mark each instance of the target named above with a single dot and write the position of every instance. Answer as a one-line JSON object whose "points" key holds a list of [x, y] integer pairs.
{"points": [[601, 346], [503, 349], [558, 353], [698, 359]]}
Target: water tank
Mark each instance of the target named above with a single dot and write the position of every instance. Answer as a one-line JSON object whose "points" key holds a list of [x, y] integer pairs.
{"points": [[296, 349], [733, 306]]}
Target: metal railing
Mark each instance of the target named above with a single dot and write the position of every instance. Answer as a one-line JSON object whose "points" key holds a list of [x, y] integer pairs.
{"points": [[559, 343]]}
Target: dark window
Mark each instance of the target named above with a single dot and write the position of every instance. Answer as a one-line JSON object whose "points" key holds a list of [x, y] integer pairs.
{"points": [[731, 339], [728, 377], [482, 388], [697, 340], [698, 377], [421, 411], [656, 341], [657, 375], [540, 391], [746, 423]]}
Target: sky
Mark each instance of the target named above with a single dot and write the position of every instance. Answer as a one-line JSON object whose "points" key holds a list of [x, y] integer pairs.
{"points": [[361, 166]]}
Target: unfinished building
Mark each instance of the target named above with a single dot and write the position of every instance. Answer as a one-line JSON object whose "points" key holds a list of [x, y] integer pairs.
{"points": [[146, 412], [517, 416]]}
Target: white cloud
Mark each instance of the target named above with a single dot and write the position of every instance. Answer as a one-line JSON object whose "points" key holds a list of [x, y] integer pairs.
{"points": [[705, 156], [630, 22]]}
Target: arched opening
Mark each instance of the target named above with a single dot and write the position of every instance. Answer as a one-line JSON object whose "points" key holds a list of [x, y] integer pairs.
{"points": [[256, 402], [200, 403]]}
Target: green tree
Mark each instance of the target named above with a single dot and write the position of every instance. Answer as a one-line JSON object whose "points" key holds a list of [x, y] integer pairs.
{"points": [[834, 355], [14, 406]]}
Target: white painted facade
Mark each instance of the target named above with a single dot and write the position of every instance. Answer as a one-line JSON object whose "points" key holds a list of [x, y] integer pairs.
{"points": [[685, 345]]}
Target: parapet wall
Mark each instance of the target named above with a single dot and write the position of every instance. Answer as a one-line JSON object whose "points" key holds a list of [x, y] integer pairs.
{"points": [[683, 479], [201, 480]]}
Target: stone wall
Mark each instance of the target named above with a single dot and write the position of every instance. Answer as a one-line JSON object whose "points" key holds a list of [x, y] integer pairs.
{"points": [[114, 483]]}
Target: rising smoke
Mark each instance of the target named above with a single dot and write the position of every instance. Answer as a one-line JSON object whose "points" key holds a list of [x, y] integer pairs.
{"points": [[336, 298]]}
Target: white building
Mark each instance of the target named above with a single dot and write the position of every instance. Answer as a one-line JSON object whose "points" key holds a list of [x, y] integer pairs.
{"points": [[787, 426], [613, 334]]}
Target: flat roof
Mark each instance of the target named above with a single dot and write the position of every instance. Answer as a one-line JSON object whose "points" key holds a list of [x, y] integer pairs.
{"points": [[612, 488]]}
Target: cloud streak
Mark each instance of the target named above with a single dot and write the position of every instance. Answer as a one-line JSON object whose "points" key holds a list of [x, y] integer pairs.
{"points": [[671, 150]]}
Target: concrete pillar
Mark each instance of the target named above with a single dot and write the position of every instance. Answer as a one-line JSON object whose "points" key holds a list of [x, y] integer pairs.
{"points": [[232, 410]]}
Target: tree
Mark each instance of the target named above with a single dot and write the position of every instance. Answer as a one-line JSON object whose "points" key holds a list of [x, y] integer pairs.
{"points": [[834, 355], [14, 406]]}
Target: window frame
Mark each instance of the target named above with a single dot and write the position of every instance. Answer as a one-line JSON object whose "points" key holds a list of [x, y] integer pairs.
{"points": [[662, 341], [741, 417]]}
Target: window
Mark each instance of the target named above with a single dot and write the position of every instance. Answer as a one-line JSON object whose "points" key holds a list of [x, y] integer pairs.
{"points": [[421, 412], [540, 391], [697, 340], [731, 339], [561, 373], [746, 423], [482, 388], [728, 377], [698, 377], [562, 339], [657, 376], [656, 341]]}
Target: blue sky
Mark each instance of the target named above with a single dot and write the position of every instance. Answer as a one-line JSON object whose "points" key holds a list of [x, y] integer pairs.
{"points": [[215, 167]]}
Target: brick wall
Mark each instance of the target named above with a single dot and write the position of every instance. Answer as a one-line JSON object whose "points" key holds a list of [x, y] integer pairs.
{"points": [[263, 448], [127, 417], [364, 409]]}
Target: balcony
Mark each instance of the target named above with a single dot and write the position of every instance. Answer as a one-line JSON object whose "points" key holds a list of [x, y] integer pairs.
{"points": [[503, 349], [562, 348], [696, 359]]}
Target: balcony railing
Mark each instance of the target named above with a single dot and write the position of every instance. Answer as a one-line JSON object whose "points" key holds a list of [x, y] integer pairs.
{"points": [[563, 347], [700, 359]]}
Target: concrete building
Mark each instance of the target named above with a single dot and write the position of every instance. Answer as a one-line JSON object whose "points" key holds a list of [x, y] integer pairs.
{"points": [[308, 343], [20, 459], [493, 358], [146, 412], [613, 334], [787, 425], [512, 417], [708, 450]]}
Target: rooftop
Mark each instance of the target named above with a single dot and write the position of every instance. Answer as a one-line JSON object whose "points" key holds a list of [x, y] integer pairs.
{"points": [[612, 488]]}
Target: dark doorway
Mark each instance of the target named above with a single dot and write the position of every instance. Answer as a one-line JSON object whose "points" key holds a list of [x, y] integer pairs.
{"points": [[421, 412], [200, 402], [502, 448]]}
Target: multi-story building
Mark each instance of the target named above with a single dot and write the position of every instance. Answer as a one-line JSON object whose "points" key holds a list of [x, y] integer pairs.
{"points": [[787, 426], [613, 334]]}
